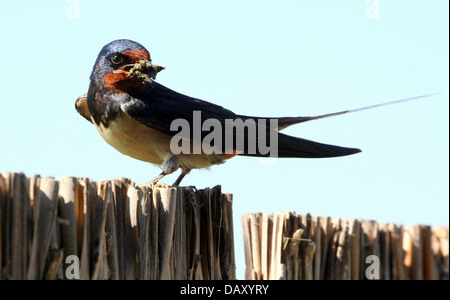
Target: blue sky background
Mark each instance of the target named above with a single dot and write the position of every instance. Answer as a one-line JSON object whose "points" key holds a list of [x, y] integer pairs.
{"points": [[266, 58]]}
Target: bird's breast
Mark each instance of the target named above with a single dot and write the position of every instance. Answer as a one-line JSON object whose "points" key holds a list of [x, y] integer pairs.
{"points": [[141, 142], [134, 139]]}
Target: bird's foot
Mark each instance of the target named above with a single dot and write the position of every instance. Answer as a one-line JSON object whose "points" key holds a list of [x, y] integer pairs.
{"points": [[157, 185], [161, 186], [154, 181]]}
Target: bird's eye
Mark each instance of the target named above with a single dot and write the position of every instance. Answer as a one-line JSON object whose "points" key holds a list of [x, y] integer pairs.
{"points": [[116, 58]]}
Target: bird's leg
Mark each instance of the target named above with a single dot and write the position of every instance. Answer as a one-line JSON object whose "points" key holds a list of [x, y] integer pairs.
{"points": [[177, 182], [169, 166], [158, 178]]}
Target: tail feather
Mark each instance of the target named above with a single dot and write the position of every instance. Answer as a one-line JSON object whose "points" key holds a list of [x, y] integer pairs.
{"points": [[289, 146], [289, 121]]}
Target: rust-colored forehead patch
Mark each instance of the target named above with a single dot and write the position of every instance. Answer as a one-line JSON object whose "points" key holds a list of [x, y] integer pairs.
{"points": [[137, 54]]}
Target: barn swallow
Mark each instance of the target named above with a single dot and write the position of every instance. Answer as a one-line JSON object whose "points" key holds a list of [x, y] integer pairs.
{"points": [[133, 113]]}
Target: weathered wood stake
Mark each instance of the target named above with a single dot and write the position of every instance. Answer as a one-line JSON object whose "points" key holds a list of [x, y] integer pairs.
{"points": [[72, 228], [290, 246]]}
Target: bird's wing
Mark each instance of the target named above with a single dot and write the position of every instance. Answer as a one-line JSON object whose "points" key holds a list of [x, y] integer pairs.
{"points": [[159, 106], [82, 108]]}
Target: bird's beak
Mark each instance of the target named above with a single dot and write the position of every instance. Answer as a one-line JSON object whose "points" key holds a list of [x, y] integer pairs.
{"points": [[140, 68], [155, 69]]}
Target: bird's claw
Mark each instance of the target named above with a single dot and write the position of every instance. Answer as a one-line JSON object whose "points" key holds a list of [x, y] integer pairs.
{"points": [[161, 186]]}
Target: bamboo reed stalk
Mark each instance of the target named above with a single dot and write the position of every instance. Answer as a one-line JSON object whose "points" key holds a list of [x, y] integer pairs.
{"points": [[116, 229], [3, 196], [290, 246], [45, 210]]}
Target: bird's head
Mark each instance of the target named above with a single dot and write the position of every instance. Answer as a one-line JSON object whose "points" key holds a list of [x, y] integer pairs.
{"points": [[124, 65]]}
